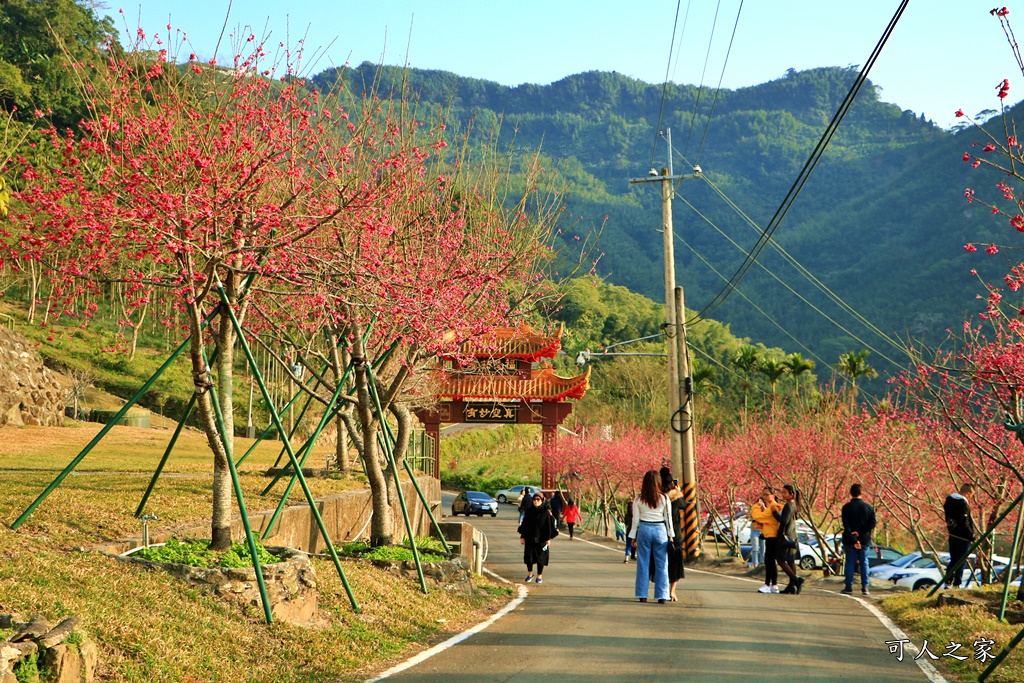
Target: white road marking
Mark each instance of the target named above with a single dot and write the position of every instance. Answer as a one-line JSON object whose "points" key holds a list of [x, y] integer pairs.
{"points": [[454, 640], [926, 667]]}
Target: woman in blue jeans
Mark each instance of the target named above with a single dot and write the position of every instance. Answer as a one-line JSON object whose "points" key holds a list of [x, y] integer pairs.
{"points": [[652, 527]]}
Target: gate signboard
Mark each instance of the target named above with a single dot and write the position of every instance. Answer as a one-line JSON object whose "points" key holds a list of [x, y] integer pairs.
{"points": [[507, 413]]}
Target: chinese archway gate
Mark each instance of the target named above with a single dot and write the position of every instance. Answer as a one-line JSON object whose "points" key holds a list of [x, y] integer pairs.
{"points": [[502, 386]]}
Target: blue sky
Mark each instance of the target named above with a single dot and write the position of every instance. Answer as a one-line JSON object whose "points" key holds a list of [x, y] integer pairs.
{"points": [[944, 54]]}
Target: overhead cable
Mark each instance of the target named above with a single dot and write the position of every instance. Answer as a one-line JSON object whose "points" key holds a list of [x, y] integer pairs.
{"points": [[755, 306], [664, 87], [808, 275], [700, 88], [805, 172], [781, 282], [721, 77]]}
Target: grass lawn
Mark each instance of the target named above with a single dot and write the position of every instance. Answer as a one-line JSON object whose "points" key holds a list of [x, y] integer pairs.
{"points": [[921, 618], [152, 627]]}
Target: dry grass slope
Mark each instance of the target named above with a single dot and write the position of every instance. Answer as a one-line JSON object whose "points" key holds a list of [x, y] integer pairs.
{"points": [[151, 627]]}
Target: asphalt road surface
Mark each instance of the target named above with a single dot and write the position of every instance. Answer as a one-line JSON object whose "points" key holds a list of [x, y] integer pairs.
{"points": [[583, 624]]}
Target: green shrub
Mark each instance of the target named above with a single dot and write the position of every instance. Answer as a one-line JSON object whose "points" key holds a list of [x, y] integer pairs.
{"points": [[27, 669], [198, 554]]}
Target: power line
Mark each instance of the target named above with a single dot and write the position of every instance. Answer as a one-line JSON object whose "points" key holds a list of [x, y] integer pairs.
{"points": [[700, 89], [755, 306], [822, 287], [781, 282], [664, 87], [805, 172], [720, 79], [727, 368]]}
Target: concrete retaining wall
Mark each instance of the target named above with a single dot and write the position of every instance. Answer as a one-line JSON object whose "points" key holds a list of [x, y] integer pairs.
{"points": [[345, 514]]}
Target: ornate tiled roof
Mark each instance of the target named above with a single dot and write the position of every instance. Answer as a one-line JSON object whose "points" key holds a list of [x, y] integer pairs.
{"points": [[521, 343], [542, 385]]}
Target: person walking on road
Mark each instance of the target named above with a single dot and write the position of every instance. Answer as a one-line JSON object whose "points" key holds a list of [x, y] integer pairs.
{"points": [[756, 543], [858, 523], [789, 544], [557, 505], [535, 534], [571, 516], [676, 568], [961, 528], [525, 502], [763, 511], [652, 527], [630, 547], [620, 529]]}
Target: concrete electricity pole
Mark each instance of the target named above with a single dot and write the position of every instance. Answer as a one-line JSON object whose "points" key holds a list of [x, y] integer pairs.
{"points": [[680, 384]]}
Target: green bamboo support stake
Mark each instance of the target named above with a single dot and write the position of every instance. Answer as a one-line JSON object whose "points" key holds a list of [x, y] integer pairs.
{"points": [[163, 461], [302, 453], [1001, 656], [1009, 568], [308, 446], [106, 428], [291, 453], [956, 565], [398, 484], [295, 427], [237, 485], [419, 491], [265, 432]]}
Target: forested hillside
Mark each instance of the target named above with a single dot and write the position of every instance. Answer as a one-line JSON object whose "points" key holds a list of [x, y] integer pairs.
{"points": [[882, 221]]}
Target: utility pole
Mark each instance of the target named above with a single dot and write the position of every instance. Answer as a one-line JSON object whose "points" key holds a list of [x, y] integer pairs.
{"points": [[678, 371]]}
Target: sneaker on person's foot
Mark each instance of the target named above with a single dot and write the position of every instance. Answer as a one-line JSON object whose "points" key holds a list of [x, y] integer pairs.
{"points": [[847, 591], [540, 579], [764, 589], [865, 591], [529, 578], [775, 589], [625, 559]]}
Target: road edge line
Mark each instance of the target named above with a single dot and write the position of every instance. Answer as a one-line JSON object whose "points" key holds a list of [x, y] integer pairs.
{"points": [[926, 666], [456, 639]]}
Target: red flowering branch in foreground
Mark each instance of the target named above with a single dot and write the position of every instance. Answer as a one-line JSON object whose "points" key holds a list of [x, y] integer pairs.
{"points": [[312, 214]]}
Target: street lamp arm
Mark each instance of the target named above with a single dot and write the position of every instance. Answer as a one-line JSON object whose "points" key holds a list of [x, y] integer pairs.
{"points": [[630, 341]]}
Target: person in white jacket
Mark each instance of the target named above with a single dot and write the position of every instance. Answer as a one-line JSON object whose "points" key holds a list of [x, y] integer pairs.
{"points": [[652, 527]]}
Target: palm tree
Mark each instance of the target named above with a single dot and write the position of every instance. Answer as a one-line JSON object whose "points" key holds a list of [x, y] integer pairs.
{"points": [[773, 370], [853, 365], [747, 359], [798, 365]]}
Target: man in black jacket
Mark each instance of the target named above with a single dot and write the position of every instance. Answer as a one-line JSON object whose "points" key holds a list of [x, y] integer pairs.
{"points": [[858, 523], [961, 528]]}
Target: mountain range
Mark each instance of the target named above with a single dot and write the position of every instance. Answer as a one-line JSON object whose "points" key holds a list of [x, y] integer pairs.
{"points": [[881, 223]]}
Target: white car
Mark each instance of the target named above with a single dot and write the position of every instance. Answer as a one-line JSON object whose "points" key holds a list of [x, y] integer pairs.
{"points": [[811, 555], [513, 494], [885, 571], [923, 573], [927, 574]]}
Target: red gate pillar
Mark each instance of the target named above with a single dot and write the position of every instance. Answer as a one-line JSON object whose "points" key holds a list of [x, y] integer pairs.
{"points": [[549, 434]]}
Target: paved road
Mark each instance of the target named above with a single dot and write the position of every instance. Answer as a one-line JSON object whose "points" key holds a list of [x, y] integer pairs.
{"points": [[582, 624]]}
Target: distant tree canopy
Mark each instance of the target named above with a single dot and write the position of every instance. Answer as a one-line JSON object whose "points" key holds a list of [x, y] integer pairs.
{"points": [[34, 35]]}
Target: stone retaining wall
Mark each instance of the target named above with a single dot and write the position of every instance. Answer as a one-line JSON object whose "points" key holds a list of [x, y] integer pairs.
{"points": [[58, 661], [30, 393]]}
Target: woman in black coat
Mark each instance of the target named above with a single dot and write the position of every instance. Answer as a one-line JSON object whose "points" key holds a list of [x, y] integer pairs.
{"points": [[535, 534], [788, 553]]}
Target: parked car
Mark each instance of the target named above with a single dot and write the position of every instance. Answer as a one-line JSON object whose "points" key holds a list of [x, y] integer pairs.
{"points": [[881, 556], [885, 572], [923, 573], [474, 502], [515, 494], [811, 554]]}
